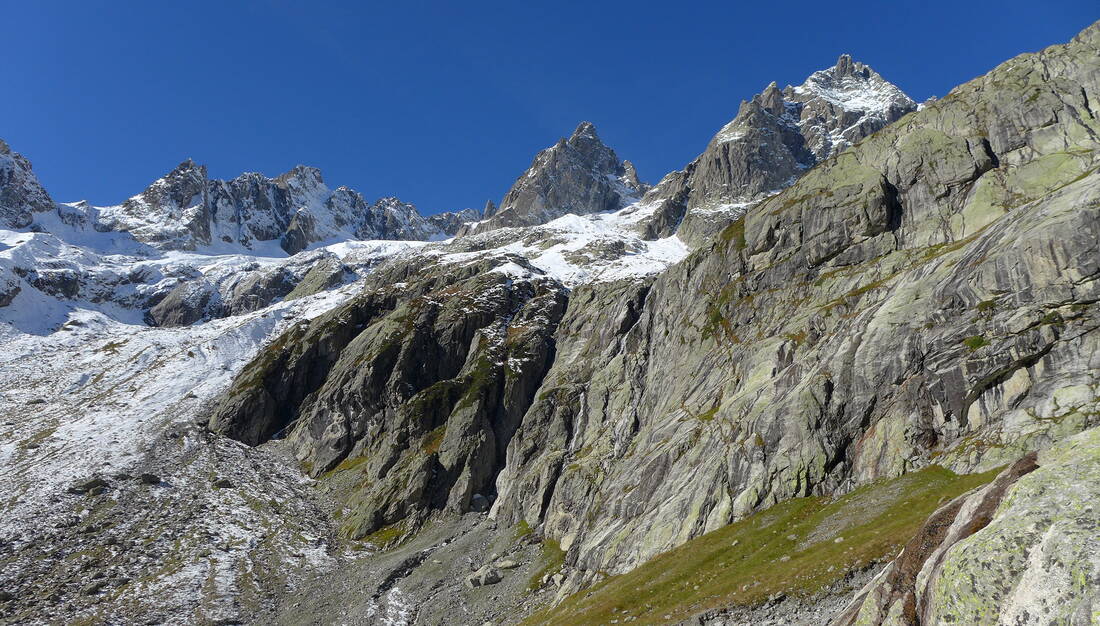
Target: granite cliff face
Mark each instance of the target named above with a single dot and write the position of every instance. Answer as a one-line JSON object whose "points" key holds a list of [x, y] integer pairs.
{"points": [[923, 297], [926, 296], [883, 308]]}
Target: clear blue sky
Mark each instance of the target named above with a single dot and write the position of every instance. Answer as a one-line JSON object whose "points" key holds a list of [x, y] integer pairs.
{"points": [[444, 104]]}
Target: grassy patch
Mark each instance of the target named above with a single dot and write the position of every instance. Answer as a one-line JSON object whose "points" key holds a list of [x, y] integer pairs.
{"points": [[386, 536], [434, 439], [709, 414], [523, 529], [796, 338], [975, 342], [348, 463], [735, 234], [479, 379], [986, 306], [789, 548], [1053, 317], [553, 558]]}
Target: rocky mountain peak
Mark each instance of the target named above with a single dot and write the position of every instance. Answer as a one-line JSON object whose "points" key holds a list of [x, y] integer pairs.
{"points": [[300, 176], [776, 136], [630, 176], [21, 195], [771, 99], [187, 168], [178, 187], [578, 175], [844, 66], [186, 210]]}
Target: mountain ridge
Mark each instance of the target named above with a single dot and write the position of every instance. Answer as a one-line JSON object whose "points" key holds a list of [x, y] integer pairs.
{"points": [[509, 422]]}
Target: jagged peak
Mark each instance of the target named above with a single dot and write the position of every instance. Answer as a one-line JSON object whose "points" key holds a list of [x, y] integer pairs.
{"points": [[844, 65], [853, 86], [300, 175], [187, 166], [585, 129], [393, 202]]}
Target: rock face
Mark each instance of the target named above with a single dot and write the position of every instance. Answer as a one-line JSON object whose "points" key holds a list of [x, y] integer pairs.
{"points": [[578, 175], [776, 136], [1022, 550], [186, 210], [424, 383], [21, 195], [926, 294]]}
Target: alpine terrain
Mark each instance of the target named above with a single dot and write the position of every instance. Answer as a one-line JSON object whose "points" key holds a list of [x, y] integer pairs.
{"points": [[842, 368]]}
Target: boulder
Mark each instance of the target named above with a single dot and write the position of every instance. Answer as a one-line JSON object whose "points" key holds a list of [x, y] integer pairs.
{"points": [[89, 485], [487, 575], [479, 503]]}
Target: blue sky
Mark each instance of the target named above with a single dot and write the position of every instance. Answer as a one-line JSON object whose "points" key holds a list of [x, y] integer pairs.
{"points": [[445, 104]]}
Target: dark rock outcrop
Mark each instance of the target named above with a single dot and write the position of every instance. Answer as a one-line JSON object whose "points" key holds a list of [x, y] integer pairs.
{"points": [[426, 383], [21, 195]]}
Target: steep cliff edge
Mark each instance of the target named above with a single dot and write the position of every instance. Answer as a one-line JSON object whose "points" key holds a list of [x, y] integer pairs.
{"points": [[926, 296]]}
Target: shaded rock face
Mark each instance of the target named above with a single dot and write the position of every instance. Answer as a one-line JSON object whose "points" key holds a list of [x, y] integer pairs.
{"points": [[578, 175], [775, 138], [21, 195], [424, 385], [186, 210], [927, 294], [1021, 550]]}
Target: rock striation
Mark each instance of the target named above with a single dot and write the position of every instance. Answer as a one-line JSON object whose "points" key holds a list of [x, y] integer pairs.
{"points": [[924, 296]]}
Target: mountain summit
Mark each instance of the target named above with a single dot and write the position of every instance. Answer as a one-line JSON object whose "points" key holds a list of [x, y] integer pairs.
{"points": [[186, 210], [776, 136], [868, 393], [578, 175]]}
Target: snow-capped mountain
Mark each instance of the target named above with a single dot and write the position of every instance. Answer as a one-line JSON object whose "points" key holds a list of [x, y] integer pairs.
{"points": [[164, 298], [191, 248], [775, 137], [186, 210]]}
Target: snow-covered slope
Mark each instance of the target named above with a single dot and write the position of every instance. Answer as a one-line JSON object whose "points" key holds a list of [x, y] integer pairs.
{"points": [[572, 249]]}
